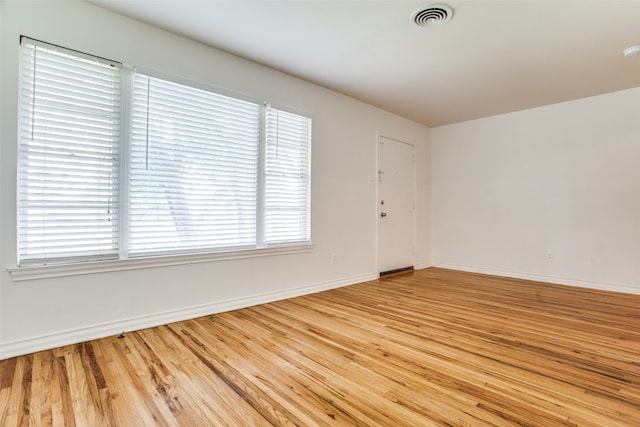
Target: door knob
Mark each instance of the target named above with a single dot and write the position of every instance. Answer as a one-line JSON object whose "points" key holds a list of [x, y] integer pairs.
{"points": [[383, 214]]}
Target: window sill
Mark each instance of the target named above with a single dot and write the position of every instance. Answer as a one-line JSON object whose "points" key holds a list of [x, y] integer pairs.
{"points": [[19, 274]]}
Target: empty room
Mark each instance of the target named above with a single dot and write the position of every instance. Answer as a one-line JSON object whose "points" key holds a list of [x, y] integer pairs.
{"points": [[319, 213]]}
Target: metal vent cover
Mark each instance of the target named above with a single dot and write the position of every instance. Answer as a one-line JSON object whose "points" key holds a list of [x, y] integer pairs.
{"points": [[434, 14]]}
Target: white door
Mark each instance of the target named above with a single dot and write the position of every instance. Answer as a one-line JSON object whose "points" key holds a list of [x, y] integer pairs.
{"points": [[396, 205]]}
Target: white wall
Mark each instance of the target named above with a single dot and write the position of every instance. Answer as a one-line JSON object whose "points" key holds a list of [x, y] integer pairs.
{"points": [[562, 180], [43, 313]]}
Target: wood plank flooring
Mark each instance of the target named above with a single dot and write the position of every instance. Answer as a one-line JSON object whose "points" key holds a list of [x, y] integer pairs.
{"points": [[430, 348]]}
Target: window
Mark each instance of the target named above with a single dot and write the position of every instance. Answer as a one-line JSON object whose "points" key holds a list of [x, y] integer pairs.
{"points": [[193, 169], [68, 165], [201, 172], [287, 170]]}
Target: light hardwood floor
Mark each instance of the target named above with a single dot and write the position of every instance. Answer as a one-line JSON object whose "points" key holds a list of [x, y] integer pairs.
{"points": [[433, 347]]}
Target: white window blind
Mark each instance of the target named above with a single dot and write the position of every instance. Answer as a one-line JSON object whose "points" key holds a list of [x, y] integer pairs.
{"points": [[202, 172], [287, 177], [193, 169], [68, 155]]}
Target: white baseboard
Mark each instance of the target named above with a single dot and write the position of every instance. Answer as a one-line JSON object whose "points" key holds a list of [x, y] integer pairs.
{"points": [[615, 287], [58, 339], [423, 266]]}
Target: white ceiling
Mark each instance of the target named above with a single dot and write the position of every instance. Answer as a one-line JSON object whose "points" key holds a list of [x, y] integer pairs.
{"points": [[492, 57]]}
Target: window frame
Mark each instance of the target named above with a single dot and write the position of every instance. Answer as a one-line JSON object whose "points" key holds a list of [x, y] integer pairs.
{"points": [[64, 92], [133, 172], [62, 267]]}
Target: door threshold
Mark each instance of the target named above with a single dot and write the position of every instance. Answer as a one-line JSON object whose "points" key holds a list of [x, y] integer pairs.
{"points": [[396, 271]]}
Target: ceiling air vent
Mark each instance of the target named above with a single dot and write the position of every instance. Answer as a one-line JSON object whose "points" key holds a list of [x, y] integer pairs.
{"points": [[435, 14]]}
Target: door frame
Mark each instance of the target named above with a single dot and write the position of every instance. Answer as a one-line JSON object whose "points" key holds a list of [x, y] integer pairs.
{"points": [[379, 137]]}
